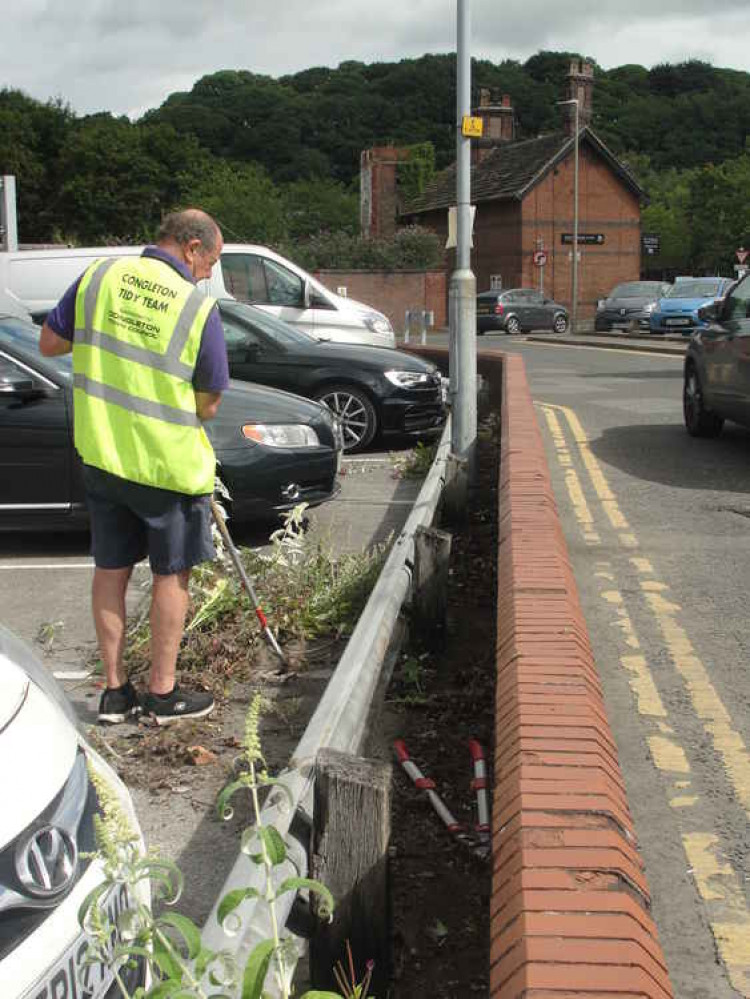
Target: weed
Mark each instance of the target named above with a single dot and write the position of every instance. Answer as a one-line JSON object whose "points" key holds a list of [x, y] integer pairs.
{"points": [[414, 464], [171, 944], [48, 633], [304, 589]]}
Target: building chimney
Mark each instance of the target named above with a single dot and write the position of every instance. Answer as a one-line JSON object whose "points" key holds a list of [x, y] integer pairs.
{"points": [[378, 190], [498, 120], [580, 88]]}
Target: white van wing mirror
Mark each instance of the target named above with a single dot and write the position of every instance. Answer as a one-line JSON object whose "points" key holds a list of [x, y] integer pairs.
{"points": [[307, 295]]}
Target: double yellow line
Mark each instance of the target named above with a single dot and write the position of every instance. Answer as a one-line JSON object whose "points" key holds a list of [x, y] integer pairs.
{"points": [[716, 880]]}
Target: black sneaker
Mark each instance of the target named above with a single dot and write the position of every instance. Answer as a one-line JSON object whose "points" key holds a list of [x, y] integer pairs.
{"points": [[119, 703], [166, 708]]}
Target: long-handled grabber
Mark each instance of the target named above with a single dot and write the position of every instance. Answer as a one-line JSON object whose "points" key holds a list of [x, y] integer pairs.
{"points": [[247, 584], [428, 785], [479, 785]]}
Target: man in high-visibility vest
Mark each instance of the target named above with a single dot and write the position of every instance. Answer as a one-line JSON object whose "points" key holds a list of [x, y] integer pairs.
{"points": [[149, 367]]}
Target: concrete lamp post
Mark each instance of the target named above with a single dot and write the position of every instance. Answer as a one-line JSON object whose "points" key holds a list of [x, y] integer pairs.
{"points": [[574, 290]]}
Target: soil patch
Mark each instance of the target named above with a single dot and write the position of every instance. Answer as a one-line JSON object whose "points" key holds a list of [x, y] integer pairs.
{"points": [[437, 702]]}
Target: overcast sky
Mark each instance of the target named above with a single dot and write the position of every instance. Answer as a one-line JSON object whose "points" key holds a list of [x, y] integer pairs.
{"points": [[126, 56]]}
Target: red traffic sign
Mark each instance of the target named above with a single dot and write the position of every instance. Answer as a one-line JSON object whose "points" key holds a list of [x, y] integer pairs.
{"points": [[540, 258], [742, 254]]}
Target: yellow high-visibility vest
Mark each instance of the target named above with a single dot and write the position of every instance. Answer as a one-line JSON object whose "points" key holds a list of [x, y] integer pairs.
{"points": [[138, 327]]}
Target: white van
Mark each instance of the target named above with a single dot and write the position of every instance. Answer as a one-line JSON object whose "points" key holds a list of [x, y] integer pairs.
{"points": [[246, 272]]}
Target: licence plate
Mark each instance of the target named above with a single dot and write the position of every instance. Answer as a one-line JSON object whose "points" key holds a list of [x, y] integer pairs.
{"points": [[69, 977], [684, 321], [621, 325], [483, 310]]}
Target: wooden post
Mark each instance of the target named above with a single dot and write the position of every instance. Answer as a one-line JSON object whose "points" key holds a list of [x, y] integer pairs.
{"points": [[432, 549], [453, 506], [351, 830]]}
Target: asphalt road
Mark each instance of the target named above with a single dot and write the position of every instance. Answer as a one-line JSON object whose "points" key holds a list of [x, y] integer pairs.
{"points": [[658, 532]]}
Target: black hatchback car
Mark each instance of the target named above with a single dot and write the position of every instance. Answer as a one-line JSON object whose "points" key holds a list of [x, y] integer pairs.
{"points": [[274, 449], [629, 304], [717, 365], [517, 310], [372, 390]]}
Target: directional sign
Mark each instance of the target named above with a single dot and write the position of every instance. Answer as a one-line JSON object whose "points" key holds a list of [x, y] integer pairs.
{"points": [[540, 258], [584, 238]]}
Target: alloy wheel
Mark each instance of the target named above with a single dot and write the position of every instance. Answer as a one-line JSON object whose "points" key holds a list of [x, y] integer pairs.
{"points": [[355, 413]]}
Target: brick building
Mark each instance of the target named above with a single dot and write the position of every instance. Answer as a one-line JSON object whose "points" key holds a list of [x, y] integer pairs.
{"points": [[523, 192]]}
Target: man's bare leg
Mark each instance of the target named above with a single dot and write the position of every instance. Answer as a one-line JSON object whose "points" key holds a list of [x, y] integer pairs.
{"points": [[169, 604], [110, 620]]}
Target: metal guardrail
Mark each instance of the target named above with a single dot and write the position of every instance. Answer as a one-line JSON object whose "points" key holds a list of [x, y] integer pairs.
{"points": [[339, 722]]}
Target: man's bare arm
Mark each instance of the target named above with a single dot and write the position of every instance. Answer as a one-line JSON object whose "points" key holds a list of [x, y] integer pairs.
{"points": [[51, 344], [207, 405]]}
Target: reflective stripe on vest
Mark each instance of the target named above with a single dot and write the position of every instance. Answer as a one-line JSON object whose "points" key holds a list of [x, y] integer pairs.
{"points": [[140, 426]]}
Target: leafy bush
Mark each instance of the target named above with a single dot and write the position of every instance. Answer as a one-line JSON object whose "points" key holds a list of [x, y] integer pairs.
{"points": [[411, 248]]}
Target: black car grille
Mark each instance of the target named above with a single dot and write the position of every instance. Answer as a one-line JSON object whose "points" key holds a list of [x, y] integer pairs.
{"points": [[423, 417]]}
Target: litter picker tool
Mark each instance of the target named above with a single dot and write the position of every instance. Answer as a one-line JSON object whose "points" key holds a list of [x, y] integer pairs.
{"points": [[427, 785], [247, 584], [479, 785]]}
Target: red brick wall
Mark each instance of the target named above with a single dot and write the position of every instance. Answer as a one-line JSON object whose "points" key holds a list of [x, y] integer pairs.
{"points": [[506, 234], [379, 199], [393, 292], [605, 206]]}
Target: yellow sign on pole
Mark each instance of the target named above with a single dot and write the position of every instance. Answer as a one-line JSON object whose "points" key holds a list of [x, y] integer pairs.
{"points": [[471, 128]]}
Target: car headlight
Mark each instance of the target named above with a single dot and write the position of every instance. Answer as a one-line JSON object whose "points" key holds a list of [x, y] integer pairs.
{"points": [[378, 324], [601, 304], [407, 379], [281, 434]]}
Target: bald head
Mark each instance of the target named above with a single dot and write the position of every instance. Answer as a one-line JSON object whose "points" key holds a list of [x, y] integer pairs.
{"points": [[193, 237]]}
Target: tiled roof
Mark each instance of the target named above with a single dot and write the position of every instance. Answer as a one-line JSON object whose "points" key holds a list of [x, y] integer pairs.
{"points": [[511, 170]]}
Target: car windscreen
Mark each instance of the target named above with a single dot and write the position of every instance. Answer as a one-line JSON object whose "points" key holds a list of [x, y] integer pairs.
{"points": [[280, 331], [636, 289], [700, 288], [23, 338]]}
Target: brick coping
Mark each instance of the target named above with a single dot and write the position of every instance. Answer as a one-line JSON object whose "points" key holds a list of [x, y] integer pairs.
{"points": [[570, 903]]}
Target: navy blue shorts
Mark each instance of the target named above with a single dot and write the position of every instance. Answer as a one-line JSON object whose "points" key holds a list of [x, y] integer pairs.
{"points": [[130, 521]]}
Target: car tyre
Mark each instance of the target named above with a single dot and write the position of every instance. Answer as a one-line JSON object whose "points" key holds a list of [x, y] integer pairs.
{"points": [[512, 325], [560, 323], [359, 421], [699, 421]]}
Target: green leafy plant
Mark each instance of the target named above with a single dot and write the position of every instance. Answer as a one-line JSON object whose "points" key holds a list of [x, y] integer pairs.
{"points": [[170, 943], [414, 464], [306, 592]]}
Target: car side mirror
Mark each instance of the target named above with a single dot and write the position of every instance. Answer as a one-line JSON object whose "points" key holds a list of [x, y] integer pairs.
{"points": [[307, 295], [711, 313], [17, 385]]}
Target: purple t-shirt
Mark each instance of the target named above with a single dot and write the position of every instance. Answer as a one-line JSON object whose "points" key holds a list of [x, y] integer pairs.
{"points": [[211, 368]]}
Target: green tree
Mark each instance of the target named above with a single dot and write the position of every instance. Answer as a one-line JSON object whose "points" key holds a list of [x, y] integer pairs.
{"points": [[240, 196], [311, 207], [31, 135], [719, 214]]}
